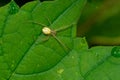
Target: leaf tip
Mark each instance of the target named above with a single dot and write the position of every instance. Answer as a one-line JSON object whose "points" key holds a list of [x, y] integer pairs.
{"points": [[14, 8]]}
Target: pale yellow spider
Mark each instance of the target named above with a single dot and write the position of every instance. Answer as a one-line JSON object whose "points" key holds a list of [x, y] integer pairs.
{"points": [[47, 31]]}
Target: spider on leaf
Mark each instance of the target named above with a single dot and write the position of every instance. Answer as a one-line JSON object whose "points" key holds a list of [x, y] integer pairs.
{"points": [[49, 32]]}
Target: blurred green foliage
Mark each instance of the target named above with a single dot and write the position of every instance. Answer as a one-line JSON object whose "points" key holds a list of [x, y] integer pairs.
{"points": [[100, 22]]}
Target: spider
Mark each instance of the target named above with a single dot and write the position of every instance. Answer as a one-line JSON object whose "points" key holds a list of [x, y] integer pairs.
{"points": [[49, 32]]}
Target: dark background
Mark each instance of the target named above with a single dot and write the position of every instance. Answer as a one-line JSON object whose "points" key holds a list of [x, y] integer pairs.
{"points": [[19, 2]]}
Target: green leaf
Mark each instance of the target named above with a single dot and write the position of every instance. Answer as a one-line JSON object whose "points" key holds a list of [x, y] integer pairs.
{"points": [[14, 8], [97, 63], [23, 55], [80, 44], [69, 65]]}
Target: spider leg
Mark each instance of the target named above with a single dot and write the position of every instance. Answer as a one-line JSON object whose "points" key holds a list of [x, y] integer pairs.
{"points": [[48, 20], [63, 28], [42, 40], [64, 46], [38, 23]]}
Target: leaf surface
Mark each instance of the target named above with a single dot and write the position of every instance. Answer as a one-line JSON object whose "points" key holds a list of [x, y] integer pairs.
{"points": [[22, 50], [98, 63]]}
